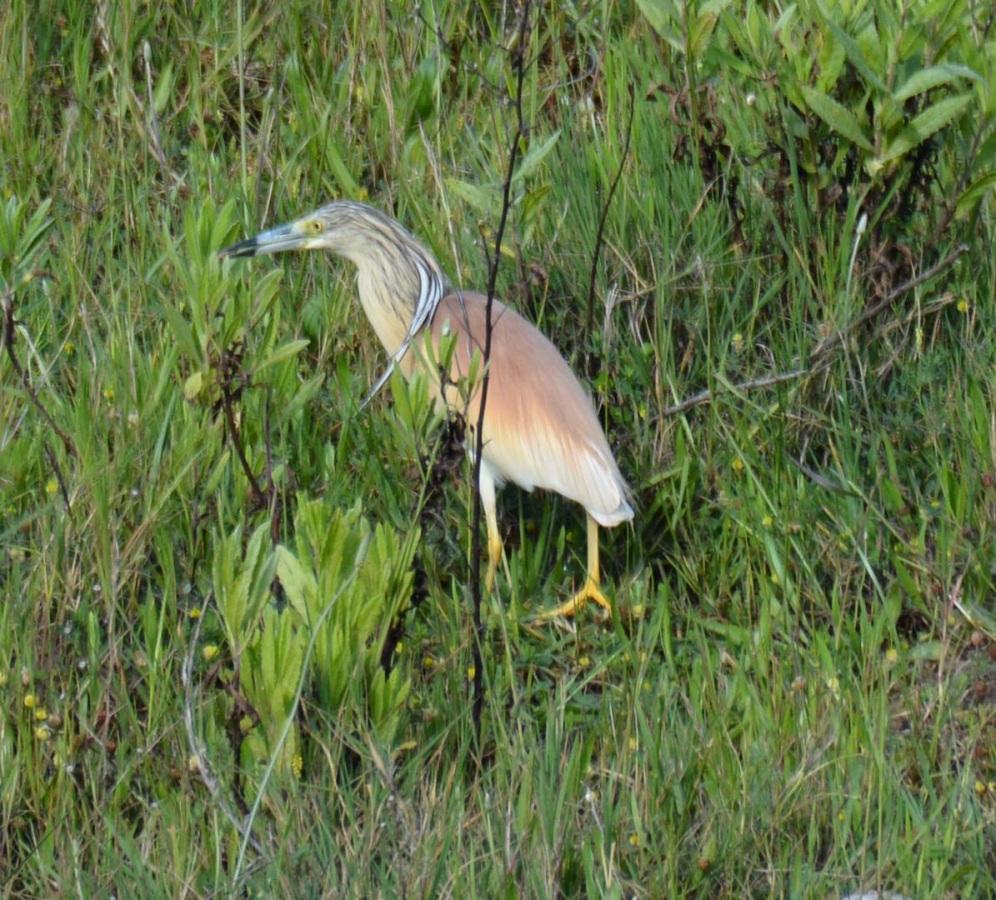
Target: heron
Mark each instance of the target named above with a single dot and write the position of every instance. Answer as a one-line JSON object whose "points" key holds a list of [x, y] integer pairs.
{"points": [[540, 429]]}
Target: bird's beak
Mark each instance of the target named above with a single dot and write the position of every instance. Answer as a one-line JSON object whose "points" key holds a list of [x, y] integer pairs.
{"points": [[276, 240]]}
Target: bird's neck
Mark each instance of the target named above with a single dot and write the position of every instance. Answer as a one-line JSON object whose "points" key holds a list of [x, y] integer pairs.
{"points": [[389, 306], [392, 283]]}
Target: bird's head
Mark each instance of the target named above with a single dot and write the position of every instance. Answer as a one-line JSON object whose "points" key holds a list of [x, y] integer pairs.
{"points": [[333, 227], [400, 283]]}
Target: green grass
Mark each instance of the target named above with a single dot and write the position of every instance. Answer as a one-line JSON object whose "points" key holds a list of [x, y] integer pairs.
{"points": [[797, 696]]}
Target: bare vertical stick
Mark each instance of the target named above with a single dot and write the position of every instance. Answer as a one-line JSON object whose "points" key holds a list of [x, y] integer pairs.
{"points": [[590, 320], [519, 63]]}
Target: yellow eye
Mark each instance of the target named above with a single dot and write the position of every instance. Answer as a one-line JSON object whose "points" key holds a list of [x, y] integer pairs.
{"points": [[315, 226]]}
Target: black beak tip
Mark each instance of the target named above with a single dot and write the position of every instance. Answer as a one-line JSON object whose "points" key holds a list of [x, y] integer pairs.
{"points": [[239, 250]]}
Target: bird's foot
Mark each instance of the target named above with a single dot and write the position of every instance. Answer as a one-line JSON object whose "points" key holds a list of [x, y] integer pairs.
{"points": [[590, 591]]}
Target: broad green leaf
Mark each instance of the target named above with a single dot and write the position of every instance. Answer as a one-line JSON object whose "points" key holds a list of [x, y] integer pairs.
{"points": [[19, 239], [241, 583], [701, 30], [482, 199], [265, 291], [283, 352], [165, 89], [402, 402], [839, 118], [924, 80], [333, 159], [784, 21], [856, 57], [299, 584], [831, 60], [192, 386], [183, 335], [531, 161], [930, 121], [721, 59], [986, 157], [974, 193], [662, 14], [532, 204]]}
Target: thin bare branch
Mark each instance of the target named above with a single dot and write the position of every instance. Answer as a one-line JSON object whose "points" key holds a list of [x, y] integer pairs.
{"points": [[821, 356], [519, 64], [198, 752], [838, 337], [590, 322], [707, 396], [9, 339]]}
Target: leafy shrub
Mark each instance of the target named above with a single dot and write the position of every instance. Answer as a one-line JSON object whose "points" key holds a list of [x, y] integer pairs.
{"points": [[838, 109]]}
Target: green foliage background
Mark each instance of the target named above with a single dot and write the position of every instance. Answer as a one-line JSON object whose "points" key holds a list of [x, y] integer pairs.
{"points": [[234, 606]]}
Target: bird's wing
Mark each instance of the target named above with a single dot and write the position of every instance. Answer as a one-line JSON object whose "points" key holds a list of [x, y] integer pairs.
{"points": [[540, 427]]}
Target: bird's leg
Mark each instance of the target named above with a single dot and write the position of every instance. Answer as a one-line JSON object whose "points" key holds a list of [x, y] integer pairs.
{"points": [[489, 503], [591, 590], [494, 556]]}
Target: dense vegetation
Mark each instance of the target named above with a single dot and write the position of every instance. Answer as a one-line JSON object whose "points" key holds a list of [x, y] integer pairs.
{"points": [[235, 631]]}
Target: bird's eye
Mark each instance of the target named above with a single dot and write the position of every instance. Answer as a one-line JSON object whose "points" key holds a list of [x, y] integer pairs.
{"points": [[315, 226]]}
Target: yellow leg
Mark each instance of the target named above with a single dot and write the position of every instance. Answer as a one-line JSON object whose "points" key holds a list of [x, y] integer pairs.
{"points": [[591, 590], [487, 485], [494, 557]]}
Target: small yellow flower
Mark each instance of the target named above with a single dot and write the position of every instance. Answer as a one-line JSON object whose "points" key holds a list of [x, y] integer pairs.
{"points": [[70, 347], [980, 788], [108, 394], [471, 672], [29, 701], [737, 465], [963, 305], [634, 839], [297, 765], [195, 613], [399, 648], [51, 486], [584, 662], [209, 652], [633, 743], [767, 521], [43, 733], [41, 715], [428, 662], [891, 657]]}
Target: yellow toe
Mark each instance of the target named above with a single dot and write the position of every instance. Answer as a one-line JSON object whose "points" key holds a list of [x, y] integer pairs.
{"points": [[590, 591]]}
